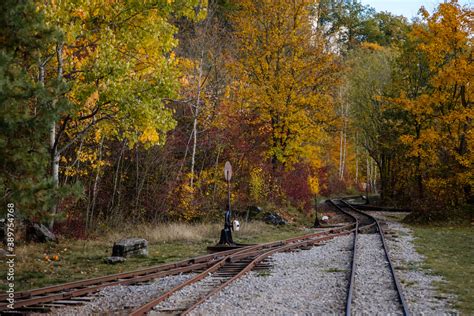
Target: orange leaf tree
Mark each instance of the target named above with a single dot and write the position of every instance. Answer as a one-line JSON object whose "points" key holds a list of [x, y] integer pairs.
{"points": [[285, 75], [438, 103]]}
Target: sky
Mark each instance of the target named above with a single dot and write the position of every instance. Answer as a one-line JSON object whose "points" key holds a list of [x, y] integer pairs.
{"points": [[408, 8]]}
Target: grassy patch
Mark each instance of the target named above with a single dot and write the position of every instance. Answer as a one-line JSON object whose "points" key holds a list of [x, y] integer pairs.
{"points": [[410, 266], [449, 252], [396, 217], [408, 283], [436, 216], [81, 259], [263, 273]]}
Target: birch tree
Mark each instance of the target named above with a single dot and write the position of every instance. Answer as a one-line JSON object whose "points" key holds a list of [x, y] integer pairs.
{"points": [[118, 64]]}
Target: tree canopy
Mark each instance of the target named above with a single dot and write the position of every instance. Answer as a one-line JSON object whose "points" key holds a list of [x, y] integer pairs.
{"points": [[129, 109]]}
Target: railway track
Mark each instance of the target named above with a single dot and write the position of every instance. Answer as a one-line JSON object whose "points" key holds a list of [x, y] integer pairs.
{"points": [[227, 271], [213, 273], [46, 297], [225, 267], [367, 223]]}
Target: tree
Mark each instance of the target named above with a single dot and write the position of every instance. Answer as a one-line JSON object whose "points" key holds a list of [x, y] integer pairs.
{"points": [[118, 64], [27, 110], [385, 29], [345, 22], [284, 77], [370, 77], [440, 136]]}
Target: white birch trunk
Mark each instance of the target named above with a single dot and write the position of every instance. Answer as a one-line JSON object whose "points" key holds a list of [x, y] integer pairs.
{"points": [[52, 138], [195, 122], [344, 149], [369, 189], [90, 213], [374, 176], [340, 154], [356, 160]]}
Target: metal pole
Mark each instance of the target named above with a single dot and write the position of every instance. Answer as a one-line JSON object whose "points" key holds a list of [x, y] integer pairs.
{"points": [[228, 193]]}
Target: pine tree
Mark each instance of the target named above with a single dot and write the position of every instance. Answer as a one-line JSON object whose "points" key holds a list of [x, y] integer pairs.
{"points": [[26, 110]]}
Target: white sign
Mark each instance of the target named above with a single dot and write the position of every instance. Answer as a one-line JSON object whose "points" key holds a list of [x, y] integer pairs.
{"points": [[228, 171]]}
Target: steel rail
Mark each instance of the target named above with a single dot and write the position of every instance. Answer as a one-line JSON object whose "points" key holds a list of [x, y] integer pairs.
{"points": [[74, 289], [82, 287], [124, 275], [257, 260], [78, 291], [401, 297], [247, 252], [350, 288]]}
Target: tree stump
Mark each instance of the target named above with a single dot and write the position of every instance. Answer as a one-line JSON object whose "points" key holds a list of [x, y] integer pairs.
{"points": [[39, 233]]}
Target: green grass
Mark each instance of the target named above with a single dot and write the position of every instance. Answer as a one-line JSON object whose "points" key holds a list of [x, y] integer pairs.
{"points": [[264, 273], [81, 259], [449, 253]]}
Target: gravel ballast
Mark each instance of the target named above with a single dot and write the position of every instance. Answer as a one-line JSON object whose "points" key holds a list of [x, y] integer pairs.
{"points": [[315, 281], [374, 290], [121, 299], [303, 282], [417, 283], [307, 282]]}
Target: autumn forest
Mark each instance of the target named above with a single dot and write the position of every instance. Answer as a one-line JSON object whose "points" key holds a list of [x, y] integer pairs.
{"points": [[116, 111]]}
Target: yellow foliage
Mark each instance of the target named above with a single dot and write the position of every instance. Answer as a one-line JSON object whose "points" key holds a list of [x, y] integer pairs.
{"points": [[285, 73], [441, 112], [182, 201], [313, 184], [372, 46], [92, 99], [257, 185], [149, 135]]}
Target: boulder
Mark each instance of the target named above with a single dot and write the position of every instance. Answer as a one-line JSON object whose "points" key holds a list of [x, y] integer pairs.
{"points": [[253, 211], [114, 260], [130, 247], [39, 233], [274, 218]]}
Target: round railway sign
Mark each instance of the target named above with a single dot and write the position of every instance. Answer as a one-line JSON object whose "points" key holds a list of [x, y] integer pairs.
{"points": [[228, 171]]}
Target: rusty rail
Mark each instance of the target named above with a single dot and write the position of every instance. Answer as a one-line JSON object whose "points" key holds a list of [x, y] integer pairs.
{"points": [[74, 289], [350, 288], [257, 260], [258, 252], [83, 287], [380, 231]]}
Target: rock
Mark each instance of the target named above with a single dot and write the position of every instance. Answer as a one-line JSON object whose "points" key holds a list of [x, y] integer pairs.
{"points": [[114, 260], [274, 218], [39, 233], [253, 211], [130, 247]]}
